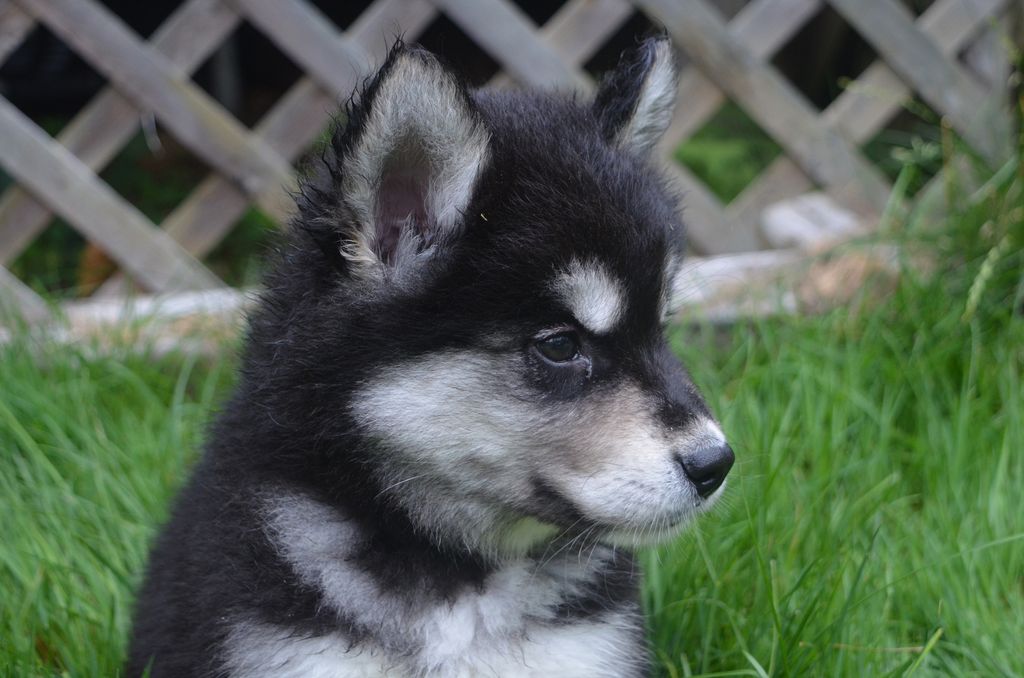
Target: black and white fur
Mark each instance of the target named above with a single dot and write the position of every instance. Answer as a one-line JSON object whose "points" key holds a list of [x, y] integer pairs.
{"points": [[406, 482]]}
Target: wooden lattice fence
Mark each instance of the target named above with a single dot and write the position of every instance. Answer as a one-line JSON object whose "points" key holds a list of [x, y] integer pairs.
{"points": [[726, 60]]}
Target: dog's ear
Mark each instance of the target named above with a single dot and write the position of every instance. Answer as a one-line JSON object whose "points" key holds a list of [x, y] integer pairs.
{"points": [[407, 163], [635, 100]]}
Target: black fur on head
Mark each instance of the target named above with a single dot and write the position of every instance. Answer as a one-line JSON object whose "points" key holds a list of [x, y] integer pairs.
{"points": [[357, 287]]}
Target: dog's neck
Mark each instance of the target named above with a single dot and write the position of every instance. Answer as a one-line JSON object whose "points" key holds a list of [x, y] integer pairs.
{"points": [[323, 546], [305, 529]]}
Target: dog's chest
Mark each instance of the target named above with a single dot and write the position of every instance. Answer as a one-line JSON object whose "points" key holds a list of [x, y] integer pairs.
{"points": [[595, 648], [525, 618], [518, 624]]}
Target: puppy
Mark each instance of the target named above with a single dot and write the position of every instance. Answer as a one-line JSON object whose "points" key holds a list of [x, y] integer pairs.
{"points": [[457, 412]]}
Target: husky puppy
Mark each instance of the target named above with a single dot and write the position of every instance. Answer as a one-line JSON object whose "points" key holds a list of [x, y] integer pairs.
{"points": [[457, 411]]}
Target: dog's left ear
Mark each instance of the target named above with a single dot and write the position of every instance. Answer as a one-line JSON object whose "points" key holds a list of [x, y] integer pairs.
{"points": [[635, 100], [408, 164]]}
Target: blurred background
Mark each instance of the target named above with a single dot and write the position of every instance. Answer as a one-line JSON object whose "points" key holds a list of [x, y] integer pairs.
{"points": [[852, 185], [248, 69]]}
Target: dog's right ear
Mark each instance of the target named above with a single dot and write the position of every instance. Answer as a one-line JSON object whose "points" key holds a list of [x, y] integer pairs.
{"points": [[406, 165], [635, 101]]}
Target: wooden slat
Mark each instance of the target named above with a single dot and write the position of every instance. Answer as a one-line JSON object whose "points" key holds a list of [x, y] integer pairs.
{"points": [[205, 217], [773, 103], [707, 228], [306, 35], [868, 103], [580, 27], [989, 57], [18, 299], [337, 61], [155, 84], [109, 121], [516, 46], [55, 175], [377, 26], [889, 27], [577, 30], [763, 27], [879, 93], [15, 26], [202, 220], [704, 208], [370, 35]]}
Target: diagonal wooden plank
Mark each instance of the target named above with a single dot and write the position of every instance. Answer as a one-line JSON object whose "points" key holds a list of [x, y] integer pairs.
{"points": [[18, 299], [49, 170], [109, 121], [889, 27], [861, 110], [201, 221], [580, 27], [763, 27], [205, 217], [155, 84], [369, 38], [15, 26], [577, 30], [773, 103], [989, 58], [701, 205], [377, 27], [307, 37], [879, 92], [516, 46], [707, 227]]}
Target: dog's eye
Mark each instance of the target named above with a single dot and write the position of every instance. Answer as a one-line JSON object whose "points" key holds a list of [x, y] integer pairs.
{"points": [[559, 348]]}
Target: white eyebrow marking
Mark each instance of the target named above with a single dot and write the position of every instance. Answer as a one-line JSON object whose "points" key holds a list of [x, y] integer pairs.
{"points": [[593, 295]]}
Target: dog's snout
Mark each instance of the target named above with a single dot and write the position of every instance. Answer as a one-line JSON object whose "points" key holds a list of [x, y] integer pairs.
{"points": [[706, 467]]}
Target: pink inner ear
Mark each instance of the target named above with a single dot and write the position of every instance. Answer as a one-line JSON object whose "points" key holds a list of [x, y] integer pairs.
{"points": [[401, 205]]}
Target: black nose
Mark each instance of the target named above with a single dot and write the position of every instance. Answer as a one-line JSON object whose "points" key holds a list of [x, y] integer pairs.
{"points": [[707, 467]]}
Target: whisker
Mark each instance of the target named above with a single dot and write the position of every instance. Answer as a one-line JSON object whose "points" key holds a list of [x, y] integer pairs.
{"points": [[400, 482]]}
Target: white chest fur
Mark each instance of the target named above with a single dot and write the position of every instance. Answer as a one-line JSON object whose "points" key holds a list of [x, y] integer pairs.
{"points": [[592, 649], [508, 627]]}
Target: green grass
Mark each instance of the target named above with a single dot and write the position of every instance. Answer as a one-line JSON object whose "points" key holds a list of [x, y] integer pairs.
{"points": [[873, 525], [92, 448], [875, 506]]}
